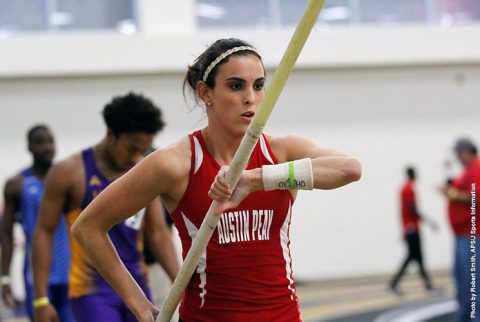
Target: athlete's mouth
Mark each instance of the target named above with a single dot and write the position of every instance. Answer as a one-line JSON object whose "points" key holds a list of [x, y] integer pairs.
{"points": [[248, 114]]}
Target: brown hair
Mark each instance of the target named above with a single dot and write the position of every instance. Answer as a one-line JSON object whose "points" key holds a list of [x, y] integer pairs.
{"points": [[196, 71]]}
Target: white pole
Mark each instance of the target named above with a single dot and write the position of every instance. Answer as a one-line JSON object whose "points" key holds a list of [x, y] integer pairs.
{"points": [[242, 155]]}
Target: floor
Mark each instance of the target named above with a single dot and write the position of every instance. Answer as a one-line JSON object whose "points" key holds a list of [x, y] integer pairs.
{"points": [[361, 299], [367, 299]]}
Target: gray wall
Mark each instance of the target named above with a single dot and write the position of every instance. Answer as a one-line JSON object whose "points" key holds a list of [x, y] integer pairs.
{"points": [[386, 117], [406, 109]]}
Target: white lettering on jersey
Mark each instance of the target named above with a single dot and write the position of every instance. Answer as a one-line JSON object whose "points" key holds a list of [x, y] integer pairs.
{"points": [[235, 227], [135, 222]]}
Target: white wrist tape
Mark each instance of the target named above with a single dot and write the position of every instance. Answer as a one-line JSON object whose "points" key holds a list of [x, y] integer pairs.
{"points": [[291, 175]]}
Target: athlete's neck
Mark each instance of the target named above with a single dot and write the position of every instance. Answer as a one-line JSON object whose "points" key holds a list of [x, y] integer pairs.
{"points": [[221, 145], [40, 169], [104, 161]]}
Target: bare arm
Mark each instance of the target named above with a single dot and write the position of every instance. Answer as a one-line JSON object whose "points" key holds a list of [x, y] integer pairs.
{"points": [[456, 195], [330, 169], [12, 193], [56, 192], [160, 239], [152, 177]]}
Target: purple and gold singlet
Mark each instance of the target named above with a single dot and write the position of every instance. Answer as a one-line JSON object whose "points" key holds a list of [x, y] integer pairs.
{"points": [[86, 284]]}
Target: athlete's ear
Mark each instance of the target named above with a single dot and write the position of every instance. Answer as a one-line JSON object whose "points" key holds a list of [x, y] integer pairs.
{"points": [[204, 92]]}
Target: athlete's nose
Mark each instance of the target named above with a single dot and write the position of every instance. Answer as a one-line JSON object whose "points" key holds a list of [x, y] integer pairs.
{"points": [[249, 97]]}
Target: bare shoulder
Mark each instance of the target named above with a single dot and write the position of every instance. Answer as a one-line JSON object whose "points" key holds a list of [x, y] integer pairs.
{"points": [[170, 168], [66, 172], [13, 186], [173, 160]]}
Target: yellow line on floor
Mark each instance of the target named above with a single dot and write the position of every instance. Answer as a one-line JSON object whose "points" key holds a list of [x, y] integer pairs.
{"points": [[319, 292]]}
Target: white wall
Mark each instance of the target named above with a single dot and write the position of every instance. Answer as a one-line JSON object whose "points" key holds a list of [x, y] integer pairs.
{"points": [[390, 97]]}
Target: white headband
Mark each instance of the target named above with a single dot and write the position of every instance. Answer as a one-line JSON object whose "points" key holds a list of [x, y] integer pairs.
{"points": [[223, 56]]}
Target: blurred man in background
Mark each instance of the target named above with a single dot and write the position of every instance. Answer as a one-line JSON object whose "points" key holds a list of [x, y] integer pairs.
{"points": [[411, 220], [462, 213], [23, 194], [132, 121]]}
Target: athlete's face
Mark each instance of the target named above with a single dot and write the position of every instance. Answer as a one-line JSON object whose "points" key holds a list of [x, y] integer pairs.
{"points": [[239, 89], [464, 156], [42, 146], [127, 149]]}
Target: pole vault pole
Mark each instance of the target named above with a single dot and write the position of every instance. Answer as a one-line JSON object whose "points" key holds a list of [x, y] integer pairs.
{"points": [[242, 155]]}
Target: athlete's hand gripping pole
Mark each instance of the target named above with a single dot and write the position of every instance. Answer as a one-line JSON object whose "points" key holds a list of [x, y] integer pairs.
{"points": [[242, 155]]}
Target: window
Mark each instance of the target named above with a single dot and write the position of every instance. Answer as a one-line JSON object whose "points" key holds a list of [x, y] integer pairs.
{"points": [[233, 13], [271, 13], [42, 15], [22, 15], [120, 15], [392, 11], [457, 11]]}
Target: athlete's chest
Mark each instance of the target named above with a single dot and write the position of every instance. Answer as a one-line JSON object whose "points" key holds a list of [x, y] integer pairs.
{"points": [[32, 191], [84, 189]]}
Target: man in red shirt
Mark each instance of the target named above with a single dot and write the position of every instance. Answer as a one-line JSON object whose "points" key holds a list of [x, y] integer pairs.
{"points": [[462, 213], [411, 231]]}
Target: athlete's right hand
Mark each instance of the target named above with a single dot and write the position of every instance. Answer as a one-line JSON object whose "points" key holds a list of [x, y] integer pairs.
{"points": [[46, 313], [149, 315]]}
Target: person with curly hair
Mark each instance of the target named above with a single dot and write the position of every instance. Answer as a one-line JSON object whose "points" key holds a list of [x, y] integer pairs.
{"points": [[132, 121]]}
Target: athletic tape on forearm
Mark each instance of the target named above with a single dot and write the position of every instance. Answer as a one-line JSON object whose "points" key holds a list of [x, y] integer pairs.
{"points": [[290, 175]]}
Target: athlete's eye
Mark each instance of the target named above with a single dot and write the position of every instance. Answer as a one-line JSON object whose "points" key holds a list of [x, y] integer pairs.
{"points": [[258, 86], [235, 86]]}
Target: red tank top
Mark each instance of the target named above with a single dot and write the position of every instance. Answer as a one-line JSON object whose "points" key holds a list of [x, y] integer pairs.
{"points": [[245, 274], [410, 221], [460, 213]]}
